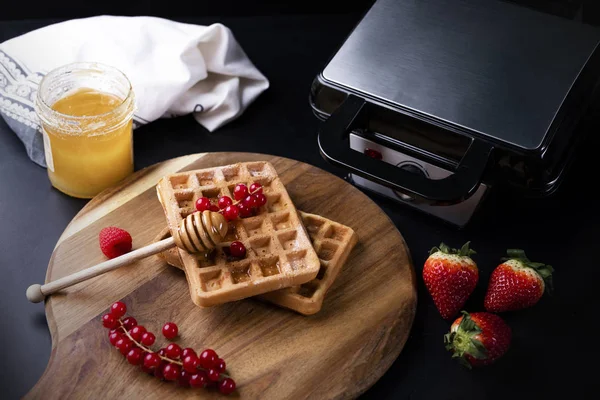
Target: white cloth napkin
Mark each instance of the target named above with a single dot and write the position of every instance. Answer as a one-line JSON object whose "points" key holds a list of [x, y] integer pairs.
{"points": [[174, 68]]}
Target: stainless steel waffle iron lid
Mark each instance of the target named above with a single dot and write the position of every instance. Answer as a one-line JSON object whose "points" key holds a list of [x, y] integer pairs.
{"points": [[495, 69], [512, 81]]}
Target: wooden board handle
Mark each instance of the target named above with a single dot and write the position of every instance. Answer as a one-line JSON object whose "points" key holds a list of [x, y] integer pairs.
{"points": [[36, 293]]}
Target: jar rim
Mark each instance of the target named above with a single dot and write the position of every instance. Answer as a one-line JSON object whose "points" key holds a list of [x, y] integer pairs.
{"points": [[83, 66]]}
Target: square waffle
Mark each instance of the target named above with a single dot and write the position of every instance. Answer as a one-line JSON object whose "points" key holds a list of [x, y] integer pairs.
{"points": [[333, 243], [279, 251]]}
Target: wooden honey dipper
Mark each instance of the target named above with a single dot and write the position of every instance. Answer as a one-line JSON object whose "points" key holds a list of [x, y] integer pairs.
{"points": [[198, 232]]}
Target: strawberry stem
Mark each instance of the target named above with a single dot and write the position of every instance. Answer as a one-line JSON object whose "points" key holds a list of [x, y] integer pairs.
{"points": [[462, 341], [464, 251]]}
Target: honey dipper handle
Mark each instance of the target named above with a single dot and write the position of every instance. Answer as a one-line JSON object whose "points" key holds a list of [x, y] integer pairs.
{"points": [[36, 293]]}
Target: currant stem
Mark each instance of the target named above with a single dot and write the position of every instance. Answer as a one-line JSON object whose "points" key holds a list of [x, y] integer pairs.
{"points": [[136, 342], [236, 202], [162, 357]]}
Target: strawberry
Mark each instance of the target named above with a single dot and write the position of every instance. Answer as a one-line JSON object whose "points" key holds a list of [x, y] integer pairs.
{"points": [[478, 339], [114, 241], [450, 276], [517, 283]]}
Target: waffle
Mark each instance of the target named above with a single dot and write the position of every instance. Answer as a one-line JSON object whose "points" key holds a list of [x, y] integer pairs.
{"points": [[279, 252], [333, 243]]}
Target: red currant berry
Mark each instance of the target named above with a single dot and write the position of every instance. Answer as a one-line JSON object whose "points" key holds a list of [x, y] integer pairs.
{"points": [[260, 199], [110, 321], [244, 210], [240, 191], [152, 360], [208, 358], [148, 339], [199, 379], [173, 351], [170, 330], [124, 345], [114, 337], [190, 363], [188, 351], [162, 353], [231, 212], [118, 309], [213, 374], [184, 378], [214, 208], [225, 201], [256, 188], [250, 201], [129, 323], [171, 372], [147, 370], [158, 371], [137, 332], [237, 249], [220, 365], [203, 204], [134, 357], [227, 386]]}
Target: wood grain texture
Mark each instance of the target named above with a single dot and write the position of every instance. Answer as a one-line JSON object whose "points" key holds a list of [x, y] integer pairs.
{"points": [[272, 353]]}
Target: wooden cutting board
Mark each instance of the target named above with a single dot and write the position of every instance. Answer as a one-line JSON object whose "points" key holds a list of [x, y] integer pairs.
{"points": [[272, 353]]}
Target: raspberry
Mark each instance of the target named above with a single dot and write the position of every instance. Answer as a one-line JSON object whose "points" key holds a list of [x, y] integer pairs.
{"points": [[114, 242]]}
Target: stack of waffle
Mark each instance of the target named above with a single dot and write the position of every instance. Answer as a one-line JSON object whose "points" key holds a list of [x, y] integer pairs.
{"points": [[292, 257]]}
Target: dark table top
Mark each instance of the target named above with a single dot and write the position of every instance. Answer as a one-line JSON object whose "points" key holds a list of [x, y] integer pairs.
{"points": [[550, 340]]}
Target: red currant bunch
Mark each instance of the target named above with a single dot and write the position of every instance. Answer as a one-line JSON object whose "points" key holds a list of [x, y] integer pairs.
{"points": [[244, 203], [170, 363], [247, 201]]}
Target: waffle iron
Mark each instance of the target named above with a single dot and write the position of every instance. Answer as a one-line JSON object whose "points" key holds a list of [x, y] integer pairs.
{"points": [[434, 102]]}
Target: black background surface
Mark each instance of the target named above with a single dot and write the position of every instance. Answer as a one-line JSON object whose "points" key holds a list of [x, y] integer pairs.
{"points": [[553, 342]]}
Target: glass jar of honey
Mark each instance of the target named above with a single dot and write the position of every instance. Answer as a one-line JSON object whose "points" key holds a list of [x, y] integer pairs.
{"points": [[86, 113]]}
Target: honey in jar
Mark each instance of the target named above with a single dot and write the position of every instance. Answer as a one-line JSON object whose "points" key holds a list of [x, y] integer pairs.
{"points": [[86, 114]]}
